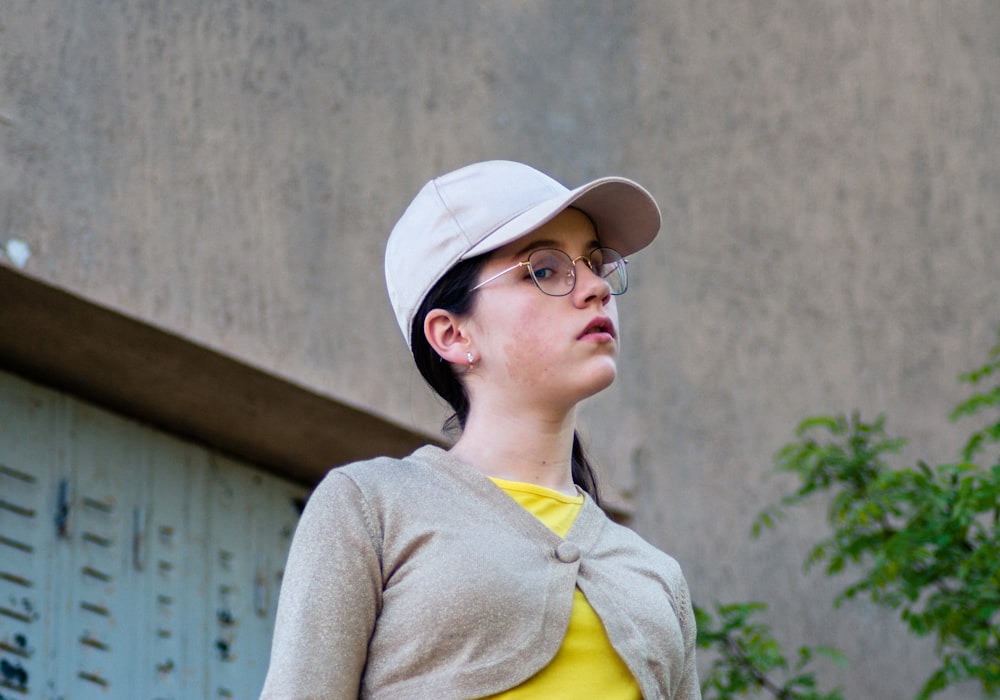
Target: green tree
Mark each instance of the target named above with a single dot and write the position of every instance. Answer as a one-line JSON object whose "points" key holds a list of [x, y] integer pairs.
{"points": [[923, 541], [749, 660]]}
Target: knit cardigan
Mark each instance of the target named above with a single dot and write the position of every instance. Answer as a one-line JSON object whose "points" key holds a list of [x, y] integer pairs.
{"points": [[420, 578]]}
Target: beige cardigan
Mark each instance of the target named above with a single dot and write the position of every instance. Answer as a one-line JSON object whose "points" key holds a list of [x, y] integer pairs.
{"points": [[420, 578]]}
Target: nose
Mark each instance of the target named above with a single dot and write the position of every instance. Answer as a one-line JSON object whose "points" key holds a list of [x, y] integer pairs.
{"points": [[589, 285]]}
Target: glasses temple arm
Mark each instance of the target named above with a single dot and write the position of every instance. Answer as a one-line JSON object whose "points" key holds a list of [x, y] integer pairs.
{"points": [[499, 274]]}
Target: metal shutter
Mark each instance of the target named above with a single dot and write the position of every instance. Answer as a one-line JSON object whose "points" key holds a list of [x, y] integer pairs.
{"points": [[132, 564]]}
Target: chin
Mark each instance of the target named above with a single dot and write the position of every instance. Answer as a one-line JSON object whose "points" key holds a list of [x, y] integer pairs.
{"points": [[603, 378]]}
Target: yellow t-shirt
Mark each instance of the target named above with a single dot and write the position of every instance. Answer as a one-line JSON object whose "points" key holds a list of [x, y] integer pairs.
{"points": [[586, 665]]}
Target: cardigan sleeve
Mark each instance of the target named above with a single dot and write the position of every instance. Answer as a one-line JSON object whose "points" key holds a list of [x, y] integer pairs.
{"points": [[689, 687], [330, 596]]}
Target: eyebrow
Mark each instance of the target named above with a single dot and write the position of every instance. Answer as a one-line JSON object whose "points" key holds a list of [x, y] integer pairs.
{"points": [[549, 243]]}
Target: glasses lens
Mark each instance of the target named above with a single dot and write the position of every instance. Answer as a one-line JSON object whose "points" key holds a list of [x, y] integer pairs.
{"points": [[607, 263], [552, 271]]}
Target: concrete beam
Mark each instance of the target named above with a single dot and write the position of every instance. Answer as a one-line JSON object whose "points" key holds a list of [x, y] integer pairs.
{"points": [[67, 342]]}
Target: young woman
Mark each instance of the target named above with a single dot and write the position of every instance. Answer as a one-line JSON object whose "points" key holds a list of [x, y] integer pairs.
{"points": [[489, 570]]}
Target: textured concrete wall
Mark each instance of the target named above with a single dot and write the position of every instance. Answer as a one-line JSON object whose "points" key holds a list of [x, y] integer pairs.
{"points": [[829, 174]]}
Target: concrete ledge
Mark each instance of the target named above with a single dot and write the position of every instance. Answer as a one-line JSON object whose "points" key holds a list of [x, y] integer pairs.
{"points": [[59, 339]]}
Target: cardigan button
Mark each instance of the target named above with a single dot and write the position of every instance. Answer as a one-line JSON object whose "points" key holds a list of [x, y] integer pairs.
{"points": [[567, 552]]}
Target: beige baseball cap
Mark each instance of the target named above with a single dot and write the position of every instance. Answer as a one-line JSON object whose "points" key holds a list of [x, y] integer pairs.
{"points": [[483, 206]]}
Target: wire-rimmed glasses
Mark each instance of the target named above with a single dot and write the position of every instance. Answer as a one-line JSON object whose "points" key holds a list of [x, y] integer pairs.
{"points": [[554, 272]]}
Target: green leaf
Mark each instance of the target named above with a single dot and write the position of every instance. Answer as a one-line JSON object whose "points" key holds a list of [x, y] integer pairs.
{"points": [[923, 540]]}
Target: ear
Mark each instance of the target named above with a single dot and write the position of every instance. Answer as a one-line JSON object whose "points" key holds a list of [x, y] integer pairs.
{"points": [[446, 335]]}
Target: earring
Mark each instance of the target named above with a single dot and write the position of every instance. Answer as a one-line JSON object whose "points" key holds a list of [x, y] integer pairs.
{"points": [[468, 356]]}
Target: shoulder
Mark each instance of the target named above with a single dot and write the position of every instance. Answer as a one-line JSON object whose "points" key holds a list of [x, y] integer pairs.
{"points": [[352, 503], [621, 546], [382, 484], [627, 537], [385, 474]]}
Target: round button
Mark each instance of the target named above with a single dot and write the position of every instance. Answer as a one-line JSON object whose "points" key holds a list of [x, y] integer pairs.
{"points": [[567, 552]]}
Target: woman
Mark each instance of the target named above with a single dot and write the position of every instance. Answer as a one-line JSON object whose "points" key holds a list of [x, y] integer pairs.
{"points": [[489, 570]]}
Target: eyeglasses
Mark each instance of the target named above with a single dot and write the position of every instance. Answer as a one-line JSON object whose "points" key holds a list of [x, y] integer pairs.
{"points": [[554, 272]]}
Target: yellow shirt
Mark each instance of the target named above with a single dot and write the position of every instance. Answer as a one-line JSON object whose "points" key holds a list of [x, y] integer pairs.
{"points": [[586, 665]]}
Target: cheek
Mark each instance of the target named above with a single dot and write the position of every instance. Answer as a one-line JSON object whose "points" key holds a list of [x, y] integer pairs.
{"points": [[527, 351]]}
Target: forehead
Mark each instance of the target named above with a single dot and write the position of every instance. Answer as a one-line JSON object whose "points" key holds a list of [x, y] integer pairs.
{"points": [[571, 230]]}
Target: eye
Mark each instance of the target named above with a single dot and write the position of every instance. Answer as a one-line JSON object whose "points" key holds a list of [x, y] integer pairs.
{"points": [[543, 272], [604, 262], [546, 264]]}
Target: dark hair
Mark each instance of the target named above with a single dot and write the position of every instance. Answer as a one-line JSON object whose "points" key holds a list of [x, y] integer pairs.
{"points": [[453, 293]]}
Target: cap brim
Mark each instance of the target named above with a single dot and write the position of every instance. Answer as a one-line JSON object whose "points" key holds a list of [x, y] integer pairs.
{"points": [[626, 216]]}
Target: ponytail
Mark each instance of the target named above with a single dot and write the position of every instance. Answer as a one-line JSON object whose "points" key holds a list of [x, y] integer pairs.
{"points": [[584, 474]]}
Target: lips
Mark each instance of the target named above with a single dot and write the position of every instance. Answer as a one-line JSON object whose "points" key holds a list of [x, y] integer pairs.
{"points": [[601, 325]]}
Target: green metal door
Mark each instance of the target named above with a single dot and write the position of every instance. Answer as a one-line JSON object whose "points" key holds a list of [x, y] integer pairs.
{"points": [[132, 564]]}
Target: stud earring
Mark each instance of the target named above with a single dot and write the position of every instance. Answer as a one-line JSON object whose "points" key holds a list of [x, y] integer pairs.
{"points": [[468, 356]]}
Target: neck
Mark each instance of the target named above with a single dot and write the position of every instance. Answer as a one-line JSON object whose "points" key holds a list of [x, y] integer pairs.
{"points": [[520, 446]]}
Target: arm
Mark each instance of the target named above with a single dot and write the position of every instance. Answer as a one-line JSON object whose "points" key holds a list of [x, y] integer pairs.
{"points": [[689, 687], [330, 596]]}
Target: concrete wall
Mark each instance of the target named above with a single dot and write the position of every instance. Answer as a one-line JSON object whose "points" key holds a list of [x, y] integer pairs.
{"points": [[829, 174]]}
